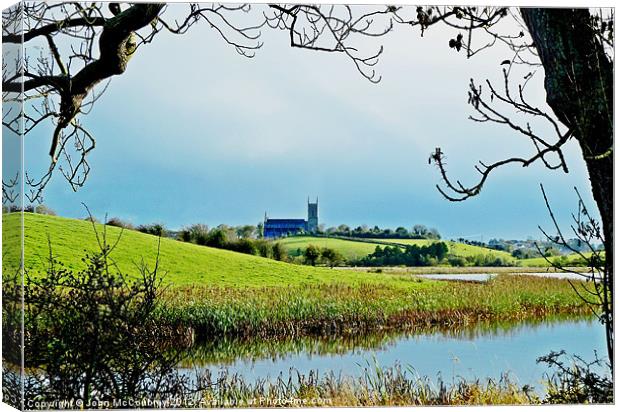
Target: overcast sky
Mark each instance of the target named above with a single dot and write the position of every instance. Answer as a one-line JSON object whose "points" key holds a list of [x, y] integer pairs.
{"points": [[193, 132]]}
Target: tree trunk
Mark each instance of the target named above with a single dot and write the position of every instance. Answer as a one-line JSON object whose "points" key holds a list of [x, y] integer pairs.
{"points": [[579, 86]]}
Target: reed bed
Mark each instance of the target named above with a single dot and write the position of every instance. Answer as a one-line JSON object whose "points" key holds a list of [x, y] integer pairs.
{"points": [[393, 386], [335, 308]]}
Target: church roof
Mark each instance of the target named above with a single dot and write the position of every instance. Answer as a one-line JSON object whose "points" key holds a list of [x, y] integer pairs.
{"points": [[269, 220]]}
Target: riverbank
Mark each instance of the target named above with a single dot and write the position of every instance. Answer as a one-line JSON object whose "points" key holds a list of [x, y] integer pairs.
{"points": [[405, 303]]}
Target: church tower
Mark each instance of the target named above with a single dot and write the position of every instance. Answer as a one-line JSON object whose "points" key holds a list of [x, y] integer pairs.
{"points": [[313, 216]]}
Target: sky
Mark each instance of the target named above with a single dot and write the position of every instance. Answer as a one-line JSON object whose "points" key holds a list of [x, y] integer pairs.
{"points": [[193, 132]]}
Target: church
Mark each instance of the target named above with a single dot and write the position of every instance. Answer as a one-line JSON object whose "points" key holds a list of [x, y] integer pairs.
{"points": [[274, 228]]}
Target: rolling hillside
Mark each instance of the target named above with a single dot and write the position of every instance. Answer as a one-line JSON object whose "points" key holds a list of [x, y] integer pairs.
{"points": [[568, 260], [350, 249], [184, 263], [358, 249]]}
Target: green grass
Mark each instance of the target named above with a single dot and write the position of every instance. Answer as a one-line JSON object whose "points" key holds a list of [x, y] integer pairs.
{"points": [[183, 263], [334, 309], [218, 292], [569, 260], [358, 249], [455, 248], [349, 249], [378, 386]]}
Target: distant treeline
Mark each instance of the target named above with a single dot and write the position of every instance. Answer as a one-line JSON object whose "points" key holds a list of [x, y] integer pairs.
{"points": [[39, 209], [411, 255], [430, 255], [364, 231], [230, 238], [242, 239]]}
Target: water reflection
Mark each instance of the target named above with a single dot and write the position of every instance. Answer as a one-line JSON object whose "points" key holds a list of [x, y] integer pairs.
{"points": [[481, 351]]}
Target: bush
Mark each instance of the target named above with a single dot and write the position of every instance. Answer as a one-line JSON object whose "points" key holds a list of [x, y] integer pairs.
{"points": [[279, 253], [221, 238], [156, 229], [91, 219], [17, 208], [312, 254], [576, 382], [106, 341], [411, 255], [118, 222], [332, 257], [197, 233], [490, 260], [246, 246], [264, 248], [44, 210], [216, 238], [459, 261]]}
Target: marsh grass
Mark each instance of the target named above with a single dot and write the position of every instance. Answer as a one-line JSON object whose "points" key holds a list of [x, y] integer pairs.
{"points": [[330, 309], [377, 386]]}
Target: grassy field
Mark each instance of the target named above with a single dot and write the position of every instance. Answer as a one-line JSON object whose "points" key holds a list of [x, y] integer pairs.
{"points": [[358, 249], [455, 248], [569, 260], [184, 263], [349, 249], [217, 292]]}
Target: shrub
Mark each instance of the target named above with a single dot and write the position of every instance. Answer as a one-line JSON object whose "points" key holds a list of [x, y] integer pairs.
{"points": [[264, 248], [457, 261], [44, 210], [246, 246], [411, 255], [118, 222], [156, 229], [279, 252], [577, 381], [490, 260], [106, 341], [197, 233], [91, 219], [216, 238], [332, 257], [17, 208], [312, 254]]}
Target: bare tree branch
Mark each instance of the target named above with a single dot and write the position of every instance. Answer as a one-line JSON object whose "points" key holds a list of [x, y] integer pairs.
{"points": [[327, 28], [83, 45], [488, 112]]}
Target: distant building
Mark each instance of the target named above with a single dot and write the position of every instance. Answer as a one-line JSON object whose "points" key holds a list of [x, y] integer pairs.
{"points": [[274, 228]]}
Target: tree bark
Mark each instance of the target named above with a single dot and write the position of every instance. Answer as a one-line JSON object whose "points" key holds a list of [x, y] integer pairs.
{"points": [[579, 86]]}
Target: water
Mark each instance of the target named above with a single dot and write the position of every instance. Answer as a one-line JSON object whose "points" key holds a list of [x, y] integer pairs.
{"points": [[484, 277], [471, 353], [471, 277], [562, 275]]}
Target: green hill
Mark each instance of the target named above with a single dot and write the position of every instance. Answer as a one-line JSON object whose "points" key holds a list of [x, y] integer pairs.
{"points": [[352, 249], [568, 260], [184, 263], [457, 249], [219, 292]]}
